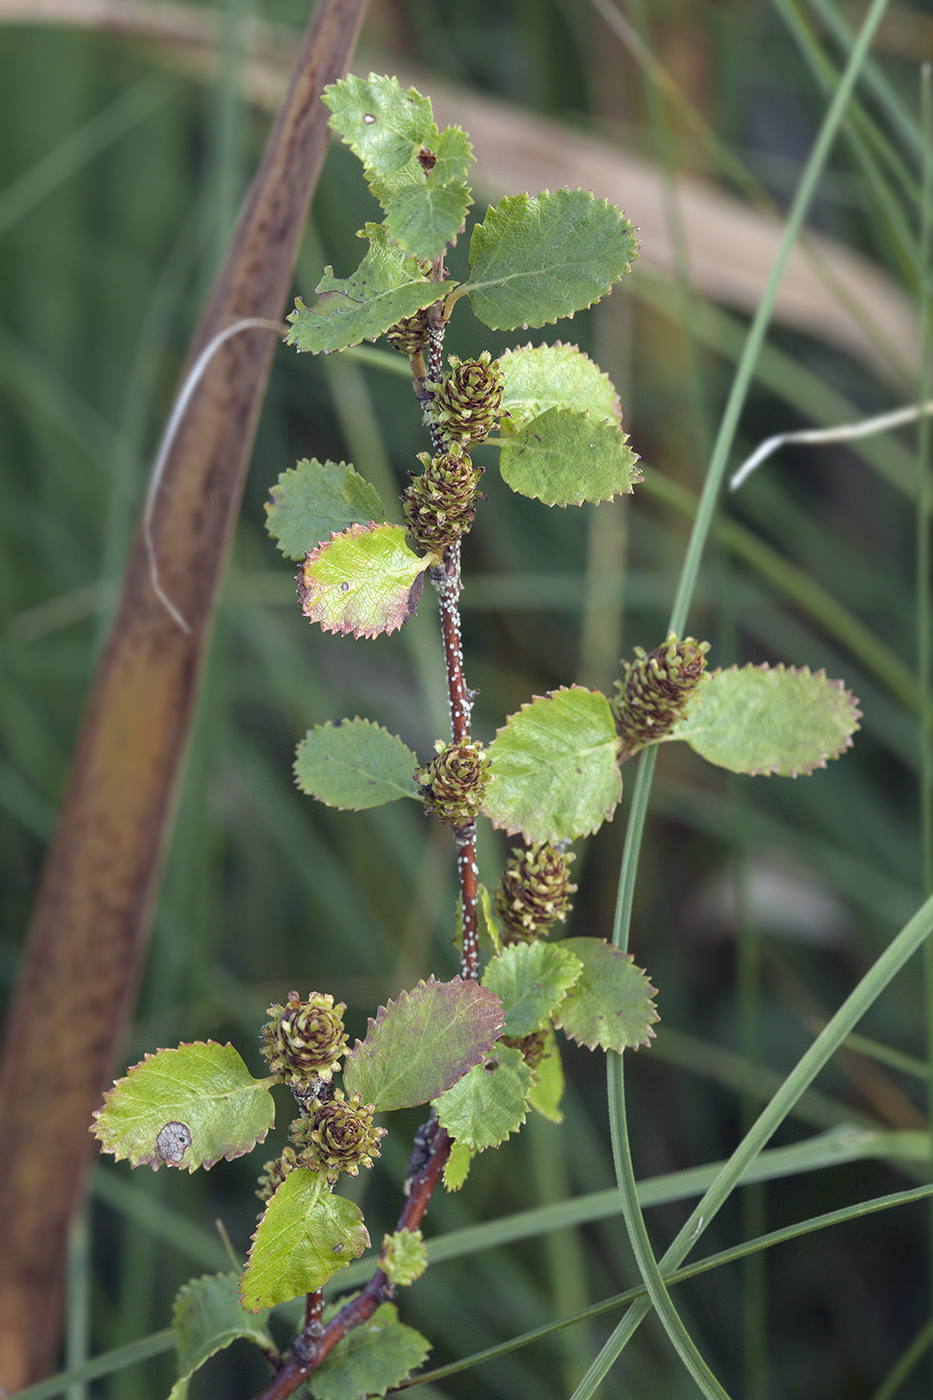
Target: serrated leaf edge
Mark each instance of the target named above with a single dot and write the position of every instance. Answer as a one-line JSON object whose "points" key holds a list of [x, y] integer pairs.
{"points": [[565, 345], [807, 769], [650, 991], [526, 705], [355, 530], [465, 287], [339, 724], [155, 1162]]}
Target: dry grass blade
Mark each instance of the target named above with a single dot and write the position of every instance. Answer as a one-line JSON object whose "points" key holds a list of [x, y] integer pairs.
{"points": [[92, 914]]}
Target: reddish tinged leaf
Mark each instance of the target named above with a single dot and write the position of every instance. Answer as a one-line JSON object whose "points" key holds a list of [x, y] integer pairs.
{"points": [[423, 1043], [365, 580]]}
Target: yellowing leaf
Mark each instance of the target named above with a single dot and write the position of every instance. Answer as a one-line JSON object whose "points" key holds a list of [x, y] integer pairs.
{"points": [[365, 581], [185, 1108]]}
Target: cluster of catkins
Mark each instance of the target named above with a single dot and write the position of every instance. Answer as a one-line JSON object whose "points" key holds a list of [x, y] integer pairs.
{"points": [[303, 1043], [462, 409]]}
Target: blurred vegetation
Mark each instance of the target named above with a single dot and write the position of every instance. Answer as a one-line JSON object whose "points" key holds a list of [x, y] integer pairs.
{"points": [[760, 902]]}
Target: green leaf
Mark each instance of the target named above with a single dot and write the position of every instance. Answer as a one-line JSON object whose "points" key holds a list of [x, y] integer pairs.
{"points": [[458, 1166], [764, 719], [355, 764], [610, 1004], [548, 1091], [207, 1316], [531, 979], [185, 1108], [453, 157], [424, 219], [416, 172], [423, 1043], [565, 458], [387, 285], [404, 1257], [371, 1359], [554, 773], [533, 260], [489, 1103], [539, 377], [314, 499], [365, 581], [384, 125], [305, 1236], [490, 937]]}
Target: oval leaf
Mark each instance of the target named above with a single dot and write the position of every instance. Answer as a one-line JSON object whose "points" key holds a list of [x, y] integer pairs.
{"points": [[313, 500], [305, 1236], [535, 259], [423, 1043], [763, 719], [554, 774], [538, 377], [565, 458], [365, 581], [355, 764], [370, 1360], [387, 285], [185, 1108], [385, 126], [490, 1103], [207, 1316], [531, 980], [610, 1004]]}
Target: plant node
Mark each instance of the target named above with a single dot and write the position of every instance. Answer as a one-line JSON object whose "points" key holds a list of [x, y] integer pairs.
{"points": [[534, 890], [339, 1137], [467, 402], [454, 783], [304, 1040], [655, 691], [439, 505]]}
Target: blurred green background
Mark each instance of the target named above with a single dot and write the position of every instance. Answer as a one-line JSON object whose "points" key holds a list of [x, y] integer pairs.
{"points": [[122, 161]]}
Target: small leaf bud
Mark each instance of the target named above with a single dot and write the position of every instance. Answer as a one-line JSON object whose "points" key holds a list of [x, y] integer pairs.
{"points": [[656, 690], [454, 783], [304, 1040], [403, 1256], [533, 892], [340, 1137], [468, 401]]}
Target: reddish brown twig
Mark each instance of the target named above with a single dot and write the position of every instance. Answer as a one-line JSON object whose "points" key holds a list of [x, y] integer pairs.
{"points": [[432, 1144], [313, 1344]]}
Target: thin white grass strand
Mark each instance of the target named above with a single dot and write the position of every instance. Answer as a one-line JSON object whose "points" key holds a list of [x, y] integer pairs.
{"points": [[846, 432], [179, 409]]}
